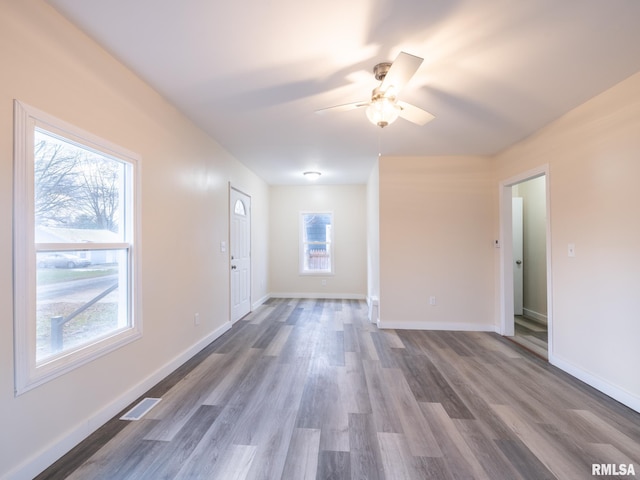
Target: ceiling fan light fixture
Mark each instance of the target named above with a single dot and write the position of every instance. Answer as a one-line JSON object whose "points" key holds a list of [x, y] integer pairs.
{"points": [[383, 111], [312, 175]]}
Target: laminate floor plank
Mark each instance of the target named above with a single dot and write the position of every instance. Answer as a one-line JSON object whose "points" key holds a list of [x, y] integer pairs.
{"points": [[366, 458], [557, 460], [235, 463], [524, 461], [238, 368], [416, 428], [267, 336], [308, 388], [429, 385], [385, 414], [333, 466], [607, 434], [398, 462], [367, 348], [455, 450], [205, 460], [383, 352], [350, 338], [391, 339], [178, 405], [168, 459], [120, 454], [302, 458], [352, 383], [277, 343]]}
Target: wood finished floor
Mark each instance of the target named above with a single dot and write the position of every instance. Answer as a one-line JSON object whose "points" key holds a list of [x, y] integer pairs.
{"points": [[309, 389]]}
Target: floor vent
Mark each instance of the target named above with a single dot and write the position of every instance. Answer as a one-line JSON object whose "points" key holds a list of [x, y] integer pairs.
{"points": [[140, 410]]}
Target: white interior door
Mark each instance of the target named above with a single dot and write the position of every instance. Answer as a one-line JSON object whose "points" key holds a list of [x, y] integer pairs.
{"points": [[516, 225], [240, 254]]}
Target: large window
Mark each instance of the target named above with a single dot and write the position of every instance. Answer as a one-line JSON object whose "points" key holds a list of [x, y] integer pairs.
{"points": [[316, 243], [75, 247]]}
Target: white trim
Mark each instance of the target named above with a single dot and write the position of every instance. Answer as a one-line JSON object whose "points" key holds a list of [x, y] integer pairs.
{"points": [[452, 326], [374, 309], [260, 301], [506, 326], [532, 314], [327, 296], [41, 460], [28, 373], [621, 395]]}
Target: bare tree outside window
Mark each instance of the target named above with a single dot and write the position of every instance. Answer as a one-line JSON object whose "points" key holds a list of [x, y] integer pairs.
{"points": [[75, 187]]}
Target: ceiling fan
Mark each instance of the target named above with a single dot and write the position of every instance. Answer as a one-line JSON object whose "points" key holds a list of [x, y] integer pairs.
{"points": [[384, 107]]}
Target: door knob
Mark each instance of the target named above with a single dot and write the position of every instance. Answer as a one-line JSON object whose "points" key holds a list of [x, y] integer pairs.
{"points": [[233, 267], [518, 262]]}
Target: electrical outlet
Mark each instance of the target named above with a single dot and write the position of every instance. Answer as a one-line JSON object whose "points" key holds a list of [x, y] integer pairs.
{"points": [[196, 319], [432, 301]]}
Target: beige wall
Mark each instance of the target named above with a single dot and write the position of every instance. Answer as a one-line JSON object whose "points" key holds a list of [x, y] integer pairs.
{"points": [[437, 222], [437, 218], [348, 204], [50, 65], [593, 156]]}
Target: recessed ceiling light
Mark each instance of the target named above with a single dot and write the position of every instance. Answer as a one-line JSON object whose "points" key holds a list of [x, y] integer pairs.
{"points": [[312, 175]]}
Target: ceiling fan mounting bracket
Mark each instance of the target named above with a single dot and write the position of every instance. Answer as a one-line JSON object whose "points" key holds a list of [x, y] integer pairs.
{"points": [[380, 70], [377, 94]]}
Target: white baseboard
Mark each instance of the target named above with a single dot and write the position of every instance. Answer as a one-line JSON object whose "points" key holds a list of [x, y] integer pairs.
{"points": [[41, 460], [374, 309], [621, 395], [260, 301], [453, 326], [540, 317], [327, 296]]}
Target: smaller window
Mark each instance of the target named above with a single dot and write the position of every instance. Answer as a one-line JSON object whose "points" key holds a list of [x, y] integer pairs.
{"points": [[239, 209], [316, 243]]}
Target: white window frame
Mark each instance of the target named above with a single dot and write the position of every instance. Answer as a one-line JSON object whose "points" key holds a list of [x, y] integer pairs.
{"points": [[29, 374], [302, 242]]}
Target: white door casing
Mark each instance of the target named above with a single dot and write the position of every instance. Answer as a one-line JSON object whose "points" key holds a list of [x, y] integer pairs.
{"points": [[506, 254], [240, 253]]}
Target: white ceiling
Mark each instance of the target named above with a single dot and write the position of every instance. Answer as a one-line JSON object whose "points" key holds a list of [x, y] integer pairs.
{"points": [[252, 72]]}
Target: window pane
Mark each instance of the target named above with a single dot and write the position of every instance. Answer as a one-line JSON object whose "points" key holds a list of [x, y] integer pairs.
{"points": [[79, 193], [316, 242], [317, 227], [239, 209], [81, 297], [317, 257]]}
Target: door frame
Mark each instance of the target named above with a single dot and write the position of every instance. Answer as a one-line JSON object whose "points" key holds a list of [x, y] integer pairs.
{"points": [[229, 222], [507, 327]]}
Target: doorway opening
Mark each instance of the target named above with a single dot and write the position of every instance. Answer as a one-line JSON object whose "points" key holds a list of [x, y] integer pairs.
{"points": [[525, 261]]}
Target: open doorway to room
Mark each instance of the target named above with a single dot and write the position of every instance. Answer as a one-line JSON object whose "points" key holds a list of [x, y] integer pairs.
{"points": [[525, 275], [529, 264]]}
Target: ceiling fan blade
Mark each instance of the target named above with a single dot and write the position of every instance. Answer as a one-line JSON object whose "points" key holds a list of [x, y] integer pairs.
{"points": [[400, 72], [343, 108], [414, 114]]}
